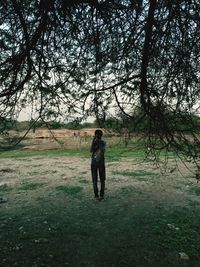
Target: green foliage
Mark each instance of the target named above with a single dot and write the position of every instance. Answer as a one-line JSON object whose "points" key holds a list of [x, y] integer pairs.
{"points": [[55, 125], [177, 122], [7, 124], [87, 125], [139, 123], [77, 125], [113, 123], [183, 122], [73, 125]]}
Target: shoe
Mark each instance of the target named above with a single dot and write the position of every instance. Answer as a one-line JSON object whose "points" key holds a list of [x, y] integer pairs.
{"points": [[96, 197], [101, 198]]}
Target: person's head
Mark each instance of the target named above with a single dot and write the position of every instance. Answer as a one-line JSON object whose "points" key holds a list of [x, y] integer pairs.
{"points": [[98, 134]]}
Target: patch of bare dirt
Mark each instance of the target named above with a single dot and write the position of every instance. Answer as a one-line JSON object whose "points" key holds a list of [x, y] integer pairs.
{"points": [[138, 180]]}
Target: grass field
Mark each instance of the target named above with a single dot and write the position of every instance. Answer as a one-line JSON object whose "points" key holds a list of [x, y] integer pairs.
{"points": [[48, 216]]}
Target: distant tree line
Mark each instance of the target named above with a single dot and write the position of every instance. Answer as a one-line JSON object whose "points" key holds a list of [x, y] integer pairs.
{"points": [[116, 124], [15, 125]]}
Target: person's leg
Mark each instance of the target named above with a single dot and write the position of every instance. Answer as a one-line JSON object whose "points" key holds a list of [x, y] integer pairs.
{"points": [[102, 175], [94, 179]]}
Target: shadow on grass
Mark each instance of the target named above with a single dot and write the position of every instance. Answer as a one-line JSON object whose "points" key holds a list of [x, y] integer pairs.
{"points": [[6, 170], [89, 233], [71, 229], [176, 232]]}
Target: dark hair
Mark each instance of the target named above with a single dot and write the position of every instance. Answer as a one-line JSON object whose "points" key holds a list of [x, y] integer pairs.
{"points": [[98, 133], [96, 141]]}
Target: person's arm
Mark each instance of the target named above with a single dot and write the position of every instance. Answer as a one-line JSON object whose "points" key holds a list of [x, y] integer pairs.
{"points": [[92, 148], [103, 146]]}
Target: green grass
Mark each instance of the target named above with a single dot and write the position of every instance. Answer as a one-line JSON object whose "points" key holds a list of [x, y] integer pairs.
{"points": [[30, 186], [135, 174], [70, 190], [181, 236], [87, 233], [84, 181], [67, 227], [112, 154], [43, 153], [135, 149], [5, 188], [195, 190], [128, 191], [194, 203]]}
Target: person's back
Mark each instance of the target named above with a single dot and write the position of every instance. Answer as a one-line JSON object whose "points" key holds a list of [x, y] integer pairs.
{"points": [[98, 150], [98, 163]]}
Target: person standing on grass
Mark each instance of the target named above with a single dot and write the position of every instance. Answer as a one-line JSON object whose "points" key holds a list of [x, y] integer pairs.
{"points": [[98, 164]]}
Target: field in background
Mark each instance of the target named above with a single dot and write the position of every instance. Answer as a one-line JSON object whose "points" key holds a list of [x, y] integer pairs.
{"points": [[70, 144], [48, 216]]}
